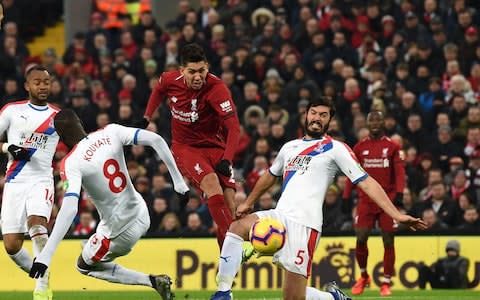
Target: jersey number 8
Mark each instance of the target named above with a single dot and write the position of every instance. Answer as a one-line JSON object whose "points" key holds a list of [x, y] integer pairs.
{"points": [[111, 170]]}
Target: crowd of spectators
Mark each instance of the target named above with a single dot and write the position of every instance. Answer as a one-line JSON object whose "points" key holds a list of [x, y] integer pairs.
{"points": [[416, 60]]}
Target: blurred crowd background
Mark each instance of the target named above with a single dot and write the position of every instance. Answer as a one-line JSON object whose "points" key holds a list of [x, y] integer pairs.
{"points": [[416, 60]]}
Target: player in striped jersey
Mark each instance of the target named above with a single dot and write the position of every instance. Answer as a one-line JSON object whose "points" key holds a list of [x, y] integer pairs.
{"points": [[307, 166], [28, 194]]}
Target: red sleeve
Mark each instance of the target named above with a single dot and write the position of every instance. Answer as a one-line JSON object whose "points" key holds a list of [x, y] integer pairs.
{"points": [[222, 102], [233, 127], [156, 97], [399, 169]]}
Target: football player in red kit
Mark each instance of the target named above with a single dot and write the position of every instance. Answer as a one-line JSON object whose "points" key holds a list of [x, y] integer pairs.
{"points": [[205, 130], [382, 159]]}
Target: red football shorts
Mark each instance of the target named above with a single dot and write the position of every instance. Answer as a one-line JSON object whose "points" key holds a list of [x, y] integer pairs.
{"points": [[369, 212], [196, 162]]}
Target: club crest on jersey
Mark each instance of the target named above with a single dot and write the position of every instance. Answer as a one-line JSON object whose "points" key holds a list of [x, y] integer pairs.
{"points": [[194, 104], [174, 99], [322, 148], [384, 152], [198, 169]]}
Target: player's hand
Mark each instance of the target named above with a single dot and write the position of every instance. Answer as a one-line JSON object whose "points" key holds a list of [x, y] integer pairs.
{"points": [[243, 209], [346, 206], [183, 199], [143, 123], [411, 222], [398, 201], [18, 153], [38, 269], [224, 167]]}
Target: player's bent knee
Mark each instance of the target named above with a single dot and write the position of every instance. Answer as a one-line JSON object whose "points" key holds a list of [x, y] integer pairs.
{"points": [[12, 244], [236, 227], [12, 249]]}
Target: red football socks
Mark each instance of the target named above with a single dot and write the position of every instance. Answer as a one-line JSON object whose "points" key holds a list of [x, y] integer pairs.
{"points": [[221, 215], [361, 253], [388, 261]]}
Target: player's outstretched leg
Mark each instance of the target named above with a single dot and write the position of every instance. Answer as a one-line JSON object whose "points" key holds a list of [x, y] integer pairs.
{"points": [[162, 284], [116, 273]]}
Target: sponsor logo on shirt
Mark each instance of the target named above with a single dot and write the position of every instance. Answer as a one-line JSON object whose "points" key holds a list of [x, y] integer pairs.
{"points": [[35, 140], [299, 163], [375, 163], [226, 106], [188, 117]]}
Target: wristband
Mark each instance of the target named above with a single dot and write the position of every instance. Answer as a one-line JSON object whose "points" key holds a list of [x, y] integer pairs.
{"points": [[5, 147]]}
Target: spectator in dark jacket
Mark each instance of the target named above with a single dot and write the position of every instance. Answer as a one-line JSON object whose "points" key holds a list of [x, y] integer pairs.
{"points": [[448, 272]]}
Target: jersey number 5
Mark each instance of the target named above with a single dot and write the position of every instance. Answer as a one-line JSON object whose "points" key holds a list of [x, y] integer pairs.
{"points": [[111, 170]]}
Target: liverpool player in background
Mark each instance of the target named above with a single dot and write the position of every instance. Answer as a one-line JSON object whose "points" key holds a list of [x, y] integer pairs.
{"points": [[381, 158], [205, 130]]}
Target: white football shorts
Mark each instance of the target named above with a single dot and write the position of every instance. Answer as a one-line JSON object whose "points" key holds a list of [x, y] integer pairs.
{"points": [[21, 200], [297, 253], [100, 248]]}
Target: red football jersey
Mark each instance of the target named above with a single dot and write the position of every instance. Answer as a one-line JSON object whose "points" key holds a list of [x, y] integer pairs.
{"points": [[383, 160], [197, 115]]}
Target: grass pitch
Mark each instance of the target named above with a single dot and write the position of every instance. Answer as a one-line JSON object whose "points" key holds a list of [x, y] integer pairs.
{"points": [[251, 295]]}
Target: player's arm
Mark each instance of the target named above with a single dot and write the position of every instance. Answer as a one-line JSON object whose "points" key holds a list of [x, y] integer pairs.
{"points": [[348, 163], [266, 181], [18, 153], [137, 136], [64, 220], [375, 192], [147, 138], [347, 201], [223, 104], [399, 175], [156, 97]]}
